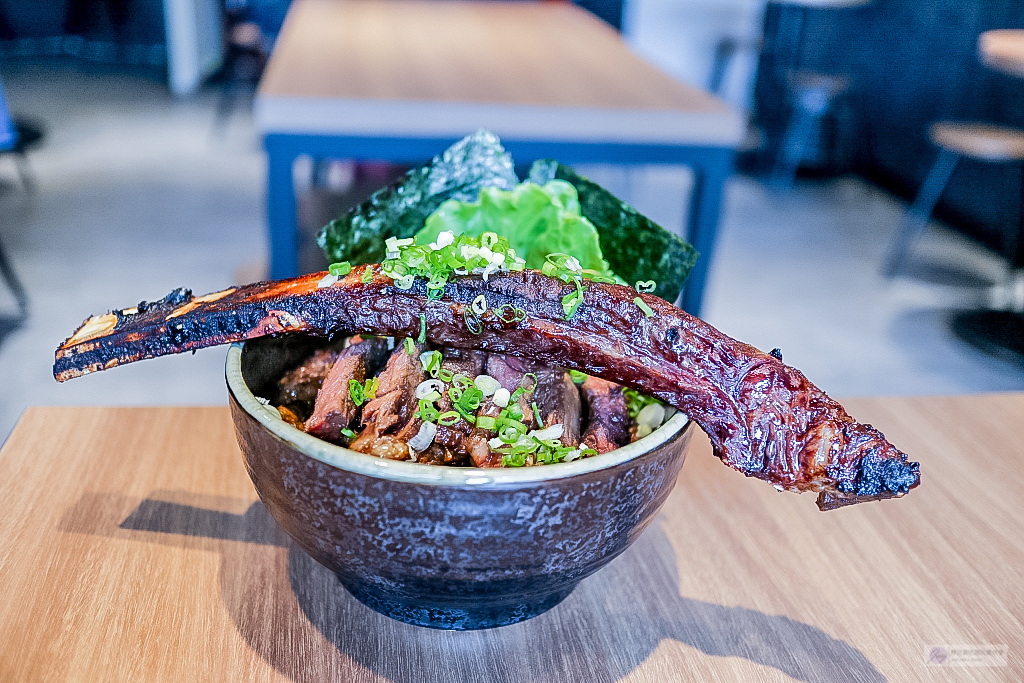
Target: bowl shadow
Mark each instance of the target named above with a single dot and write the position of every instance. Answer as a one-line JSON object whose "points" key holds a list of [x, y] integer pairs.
{"points": [[297, 616]]}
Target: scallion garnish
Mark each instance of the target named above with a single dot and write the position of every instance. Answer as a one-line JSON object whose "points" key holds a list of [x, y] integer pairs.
{"points": [[345, 431], [423, 328], [646, 287], [410, 347], [449, 418], [340, 269], [479, 304], [486, 422], [473, 323], [362, 392], [643, 307], [431, 361], [367, 274], [577, 376]]}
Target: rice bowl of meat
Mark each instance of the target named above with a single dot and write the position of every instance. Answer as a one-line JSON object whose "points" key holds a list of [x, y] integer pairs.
{"points": [[445, 547]]}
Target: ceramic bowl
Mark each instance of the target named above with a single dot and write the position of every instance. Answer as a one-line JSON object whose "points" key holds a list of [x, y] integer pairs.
{"points": [[444, 547]]}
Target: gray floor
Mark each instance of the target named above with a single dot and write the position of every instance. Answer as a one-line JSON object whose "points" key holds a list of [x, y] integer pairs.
{"points": [[136, 196]]}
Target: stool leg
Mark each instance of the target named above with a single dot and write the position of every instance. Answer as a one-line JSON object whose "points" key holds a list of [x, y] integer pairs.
{"points": [[916, 219], [8, 274], [803, 127], [25, 172]]}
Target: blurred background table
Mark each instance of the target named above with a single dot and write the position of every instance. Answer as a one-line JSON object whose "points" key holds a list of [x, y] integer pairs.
{"points": [[400, 81], [133, 548]]}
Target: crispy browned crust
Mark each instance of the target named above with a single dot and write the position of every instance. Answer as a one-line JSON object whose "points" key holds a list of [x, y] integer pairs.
{"points": [[763, 417]]}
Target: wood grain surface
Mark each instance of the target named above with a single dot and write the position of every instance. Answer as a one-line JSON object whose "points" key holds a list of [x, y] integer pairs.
{"points": [[364, 66], [132, 547]]}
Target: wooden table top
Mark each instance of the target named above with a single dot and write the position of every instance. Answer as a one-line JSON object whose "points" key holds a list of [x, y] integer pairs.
{"points": [[133, 548], [1003, 50], [536, 71]]}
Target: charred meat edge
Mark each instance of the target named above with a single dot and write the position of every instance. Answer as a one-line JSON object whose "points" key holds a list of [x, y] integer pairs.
{"points": [[764, 418]]}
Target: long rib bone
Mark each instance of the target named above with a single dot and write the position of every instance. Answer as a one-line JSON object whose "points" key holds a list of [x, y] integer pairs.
{"points": [[763, 417]]}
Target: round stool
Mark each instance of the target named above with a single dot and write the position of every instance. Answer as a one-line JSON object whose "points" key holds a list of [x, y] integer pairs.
{"points": [[980, 141], [811, 93]]}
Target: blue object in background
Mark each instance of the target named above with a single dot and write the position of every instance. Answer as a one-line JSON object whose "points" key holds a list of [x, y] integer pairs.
{"points": [[8, 134]]}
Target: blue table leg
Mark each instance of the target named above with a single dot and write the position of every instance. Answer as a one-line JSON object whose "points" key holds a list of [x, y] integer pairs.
{"points": [[702, 224], [282, 222]]}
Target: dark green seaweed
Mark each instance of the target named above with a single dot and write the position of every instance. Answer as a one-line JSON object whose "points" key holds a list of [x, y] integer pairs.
{"points": [[475, 162], [635, 247]]}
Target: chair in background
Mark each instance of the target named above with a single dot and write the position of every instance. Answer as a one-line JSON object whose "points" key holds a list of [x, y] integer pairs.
{"points": [[955, 140], [250, 28], [812, 94]]}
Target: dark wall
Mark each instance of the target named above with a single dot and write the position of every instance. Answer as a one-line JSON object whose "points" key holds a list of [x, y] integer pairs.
{"points": [[912, 62]]}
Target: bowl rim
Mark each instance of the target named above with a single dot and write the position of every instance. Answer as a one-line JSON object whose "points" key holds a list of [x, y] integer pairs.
{"points": [[418, 473]]}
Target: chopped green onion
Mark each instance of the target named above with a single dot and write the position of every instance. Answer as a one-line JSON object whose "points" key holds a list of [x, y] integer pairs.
{"points": [[444, 374], [470, 400], [345, 431], [449, 418], [462, 381], [410, 347], [513, 460], [507, 313], [340, 269], [646, 287], [577, 376], [423, 328], [431, 362], [536, 415], [479, 304], [472, 322], [643, 307], [486, 422], [361, 392], [427, 412], [367, 274], [635, 401]]}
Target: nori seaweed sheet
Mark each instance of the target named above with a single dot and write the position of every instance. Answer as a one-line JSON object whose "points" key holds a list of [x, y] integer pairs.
{"points": [[635, 247], [475, 162]]}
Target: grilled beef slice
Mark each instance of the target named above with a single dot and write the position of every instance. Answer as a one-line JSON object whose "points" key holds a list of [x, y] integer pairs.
{"points": [[389, 418], [607, 415], [334, 409], [558, 402], [509, 371], [449, 447]]}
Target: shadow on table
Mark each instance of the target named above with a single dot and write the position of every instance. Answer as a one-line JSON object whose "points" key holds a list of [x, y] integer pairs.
{"points": [[297, 616]]}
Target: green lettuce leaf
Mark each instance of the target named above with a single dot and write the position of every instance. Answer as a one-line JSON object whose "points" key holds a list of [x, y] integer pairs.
{"points": [[637, 248], [536, 219]]}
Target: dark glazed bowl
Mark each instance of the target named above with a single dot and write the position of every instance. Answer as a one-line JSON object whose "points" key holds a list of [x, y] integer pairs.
{"points": [[444, 547]]}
